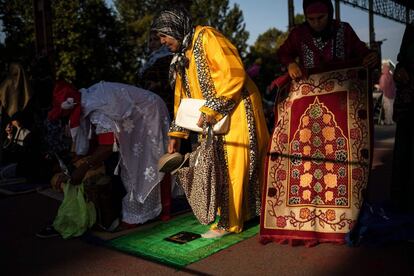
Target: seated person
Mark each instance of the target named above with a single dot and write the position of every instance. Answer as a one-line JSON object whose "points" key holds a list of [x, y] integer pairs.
{"points": [[126, 121], [18, 150]]}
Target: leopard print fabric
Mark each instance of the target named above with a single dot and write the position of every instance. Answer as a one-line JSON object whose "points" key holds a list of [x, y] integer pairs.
{"points": [[202, 180]]}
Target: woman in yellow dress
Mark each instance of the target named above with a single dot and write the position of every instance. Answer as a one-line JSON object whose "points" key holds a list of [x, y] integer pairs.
{"points": [[207, 66]]}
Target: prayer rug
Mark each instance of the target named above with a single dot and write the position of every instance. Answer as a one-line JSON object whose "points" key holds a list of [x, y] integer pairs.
{"points": [[18, 186], [318, 159], [49, 192], [149, 243]]}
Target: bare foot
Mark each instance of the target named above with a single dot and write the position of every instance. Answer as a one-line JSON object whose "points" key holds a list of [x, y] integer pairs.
{"points": [[216, 233]]}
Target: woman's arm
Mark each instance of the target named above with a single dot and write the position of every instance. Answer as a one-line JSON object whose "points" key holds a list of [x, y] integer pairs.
{"points": [[222, 71], [102, 152], [288, 54]]}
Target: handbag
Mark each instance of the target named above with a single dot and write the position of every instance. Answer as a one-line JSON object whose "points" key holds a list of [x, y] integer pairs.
{"points": [[11, 146], [189, 113], [201, 180]]}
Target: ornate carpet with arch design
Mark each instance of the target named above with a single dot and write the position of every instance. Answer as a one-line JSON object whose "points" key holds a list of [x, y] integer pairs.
{"points": [[318, 159]]}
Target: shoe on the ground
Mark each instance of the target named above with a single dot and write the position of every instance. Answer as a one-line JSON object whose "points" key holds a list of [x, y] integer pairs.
{"points": [[48, 232], [111, 228], [170, 162]]}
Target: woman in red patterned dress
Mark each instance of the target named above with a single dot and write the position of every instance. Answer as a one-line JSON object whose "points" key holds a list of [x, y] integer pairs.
{"points": [[319, 155]]}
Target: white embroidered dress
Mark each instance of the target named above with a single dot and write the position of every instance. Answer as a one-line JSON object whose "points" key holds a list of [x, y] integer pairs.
{"points": [[139, 119]]}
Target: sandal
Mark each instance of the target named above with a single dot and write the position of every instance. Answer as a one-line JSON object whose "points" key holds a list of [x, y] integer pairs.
{"points": [[48, 232]]}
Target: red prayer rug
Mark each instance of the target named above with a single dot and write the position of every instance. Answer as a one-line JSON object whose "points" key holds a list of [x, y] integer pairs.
{"points": [[318, 160]]}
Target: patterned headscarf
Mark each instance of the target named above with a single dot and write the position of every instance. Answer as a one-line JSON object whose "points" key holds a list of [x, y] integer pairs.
{"points": [[177, 24]]}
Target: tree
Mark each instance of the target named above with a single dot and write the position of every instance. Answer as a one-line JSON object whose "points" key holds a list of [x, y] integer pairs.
{"points": [[18, 28], [230, 22], [87, 36], [137, 15], [267, 42], [3, 68], [299, 19], [88, 40], [94, 42], [265, 48]]}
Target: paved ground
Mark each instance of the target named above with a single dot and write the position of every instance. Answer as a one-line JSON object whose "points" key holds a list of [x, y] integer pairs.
{"points": [[21, 253]]}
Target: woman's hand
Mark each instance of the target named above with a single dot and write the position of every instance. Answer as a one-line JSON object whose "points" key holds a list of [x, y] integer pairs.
{"points": [[174, 144], [209, 119], [58, 184], [294, 71], [78, 174], [9, 131]]}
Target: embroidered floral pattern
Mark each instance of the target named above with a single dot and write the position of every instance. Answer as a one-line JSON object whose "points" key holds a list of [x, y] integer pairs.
{"points": [[138, 149], [307, 56], [280, 222], [149, 174], [325, 160], [304, 213], [128, 125], [319, 43], [314, 46]]}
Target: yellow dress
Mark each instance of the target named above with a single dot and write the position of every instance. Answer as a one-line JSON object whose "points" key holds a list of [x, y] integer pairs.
{"points": [[216, 73]]}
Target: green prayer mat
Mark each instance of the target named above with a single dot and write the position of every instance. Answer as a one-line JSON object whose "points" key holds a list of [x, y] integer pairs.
{"points": [[149, 243]]}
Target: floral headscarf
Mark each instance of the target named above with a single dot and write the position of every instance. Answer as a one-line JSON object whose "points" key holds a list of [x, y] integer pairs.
{"points": [[177, 24]]}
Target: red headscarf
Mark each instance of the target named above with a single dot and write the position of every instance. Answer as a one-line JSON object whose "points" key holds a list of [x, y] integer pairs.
{"points": [[318, 6], [63, 91]]}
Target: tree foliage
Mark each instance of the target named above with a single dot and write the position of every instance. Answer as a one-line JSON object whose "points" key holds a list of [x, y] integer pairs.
{"points": [[94, 42], [230, 22], [88, 40], [137, 15], [265, 49], [267, 43], [299, 18], [18, 28]]}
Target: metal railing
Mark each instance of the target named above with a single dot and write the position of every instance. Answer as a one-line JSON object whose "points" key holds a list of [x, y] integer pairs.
{"points": [[385, 8]]}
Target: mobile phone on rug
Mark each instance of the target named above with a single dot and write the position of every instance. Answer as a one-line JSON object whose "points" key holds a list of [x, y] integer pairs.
{"points": [[183, 237]]}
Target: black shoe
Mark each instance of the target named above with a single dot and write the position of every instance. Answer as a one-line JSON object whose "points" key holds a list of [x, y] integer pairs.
{"points": [[48, 232], [170, 162], [184, 163]]}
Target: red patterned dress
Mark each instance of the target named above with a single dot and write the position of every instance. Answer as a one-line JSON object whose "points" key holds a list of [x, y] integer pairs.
{"points": [[320, 152], [337, 46]]}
